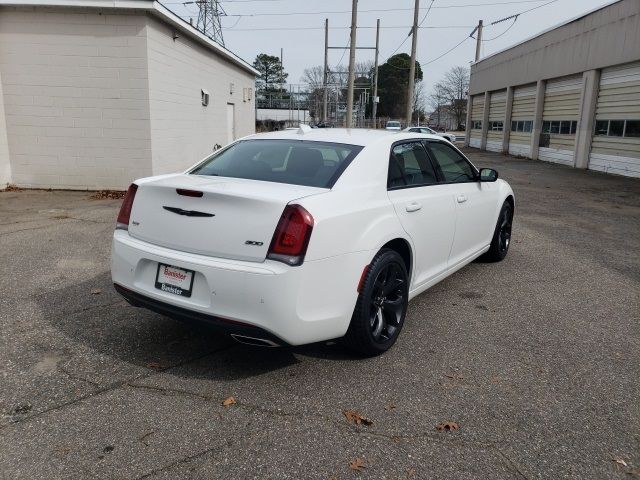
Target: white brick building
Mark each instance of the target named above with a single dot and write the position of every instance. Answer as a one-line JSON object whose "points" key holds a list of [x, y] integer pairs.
{"points": [[96, 93]]}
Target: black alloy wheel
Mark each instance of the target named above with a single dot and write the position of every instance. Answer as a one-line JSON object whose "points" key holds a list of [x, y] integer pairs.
{"points": [[381, 307], [502, 235], [386, 303]]}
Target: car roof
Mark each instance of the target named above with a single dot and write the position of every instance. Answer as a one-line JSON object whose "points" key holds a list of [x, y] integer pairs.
{"points": [[350, 136]]}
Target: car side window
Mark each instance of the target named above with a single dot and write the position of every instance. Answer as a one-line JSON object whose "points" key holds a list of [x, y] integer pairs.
{"points": [[453, 166], [409, 166]]}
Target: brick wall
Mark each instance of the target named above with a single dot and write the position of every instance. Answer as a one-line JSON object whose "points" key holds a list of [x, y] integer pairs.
{"points": [[182, 130], [75, 90]]}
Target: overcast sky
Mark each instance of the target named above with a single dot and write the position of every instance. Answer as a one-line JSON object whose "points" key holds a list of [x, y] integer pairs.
{"points": [[265, 26]]}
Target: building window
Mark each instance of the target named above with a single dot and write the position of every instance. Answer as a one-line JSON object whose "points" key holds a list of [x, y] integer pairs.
{"points": [[523, 126], [618, 128], [602, 127], [560, 127], [476, 124], [632, 128], [496, 126]]}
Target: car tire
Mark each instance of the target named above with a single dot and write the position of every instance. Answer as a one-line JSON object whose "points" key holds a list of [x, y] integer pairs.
{"points": [[381, 307], [501, 236]]}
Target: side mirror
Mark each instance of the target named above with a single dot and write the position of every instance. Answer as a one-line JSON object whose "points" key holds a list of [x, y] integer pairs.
{"points": [[488, 175]]}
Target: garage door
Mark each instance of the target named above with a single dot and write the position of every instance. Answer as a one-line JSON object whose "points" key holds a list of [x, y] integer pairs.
{"points": [[497, 104], [560, 119], [616, 140], [522, 113], [477, 111]]}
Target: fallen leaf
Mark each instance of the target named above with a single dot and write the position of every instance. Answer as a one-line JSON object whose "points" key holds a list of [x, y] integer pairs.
{"points": [[411, 472], [96, 291], [619, 461], [355, 417], [448, 426], [390, 406], [229, 401], [154, 366], [357, 464], [63, 451]]}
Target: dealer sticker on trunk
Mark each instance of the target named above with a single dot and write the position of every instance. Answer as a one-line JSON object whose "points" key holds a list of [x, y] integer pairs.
{"points": [[174, 280]]}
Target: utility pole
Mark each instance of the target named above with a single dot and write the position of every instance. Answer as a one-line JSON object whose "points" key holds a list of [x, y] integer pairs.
{"points": [[374, 108], [412, 68], [352, 61], [478, 40], [326, 67]]}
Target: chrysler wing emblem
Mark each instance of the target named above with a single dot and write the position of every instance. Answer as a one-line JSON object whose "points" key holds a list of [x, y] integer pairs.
{"points": [[188, 213]]}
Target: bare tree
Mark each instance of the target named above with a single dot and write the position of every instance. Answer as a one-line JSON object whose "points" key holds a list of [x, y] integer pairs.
{"points": [[454, 86], [419, 101], [438, 101], [313, 76]]}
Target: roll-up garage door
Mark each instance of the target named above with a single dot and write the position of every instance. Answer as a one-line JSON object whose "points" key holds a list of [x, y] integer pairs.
{"points": [[560, 119], [477, 111], [497, 104], [616, 141], [522, 113]]}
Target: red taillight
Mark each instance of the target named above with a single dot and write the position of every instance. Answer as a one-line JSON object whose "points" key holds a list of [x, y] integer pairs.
{"points": [[125, 210], [291, 238]]}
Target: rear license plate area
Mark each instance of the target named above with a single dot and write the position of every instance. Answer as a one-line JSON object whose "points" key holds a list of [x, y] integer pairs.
{"points": [[174, 280]]}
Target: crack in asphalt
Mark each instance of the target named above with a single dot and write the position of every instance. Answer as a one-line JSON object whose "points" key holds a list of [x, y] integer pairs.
{"points": [[341, 425], [107, 388]]}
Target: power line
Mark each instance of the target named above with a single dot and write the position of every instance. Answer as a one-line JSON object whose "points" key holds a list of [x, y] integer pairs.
{"points": [[395, 27], [272, 14]]}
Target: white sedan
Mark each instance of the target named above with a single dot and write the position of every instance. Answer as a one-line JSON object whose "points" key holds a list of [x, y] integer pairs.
{"points": [[447, 135], [298, 237]]}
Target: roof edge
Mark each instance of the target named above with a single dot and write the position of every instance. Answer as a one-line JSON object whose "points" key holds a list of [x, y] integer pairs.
{"points": [[547, 30], [152, 6]]}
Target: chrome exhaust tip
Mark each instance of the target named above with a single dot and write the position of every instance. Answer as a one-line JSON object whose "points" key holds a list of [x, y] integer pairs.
{"points": [[256, 342]]}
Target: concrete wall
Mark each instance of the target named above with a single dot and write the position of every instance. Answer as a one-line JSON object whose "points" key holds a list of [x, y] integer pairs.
{"points": [[183, 131], [606, 37], [5, 164], [74, 85]]}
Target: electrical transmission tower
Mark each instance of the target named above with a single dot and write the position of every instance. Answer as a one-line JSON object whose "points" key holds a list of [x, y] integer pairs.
{"points": [[209, 15]]}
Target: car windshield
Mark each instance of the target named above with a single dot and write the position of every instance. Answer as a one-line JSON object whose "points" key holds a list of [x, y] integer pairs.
{"points": [[296, 162], [393, 124]]}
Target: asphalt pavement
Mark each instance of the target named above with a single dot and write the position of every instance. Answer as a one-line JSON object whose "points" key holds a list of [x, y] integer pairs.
{"points": [[535, 360]]}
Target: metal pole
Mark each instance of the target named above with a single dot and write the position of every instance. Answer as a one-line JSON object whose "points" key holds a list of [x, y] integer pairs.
{"points": [[479, 40], [326, 66], [374, 108], [412, 68], [352, 61]]}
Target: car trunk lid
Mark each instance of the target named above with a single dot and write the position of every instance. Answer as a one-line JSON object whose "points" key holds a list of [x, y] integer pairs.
{"points": [[234, 218]]}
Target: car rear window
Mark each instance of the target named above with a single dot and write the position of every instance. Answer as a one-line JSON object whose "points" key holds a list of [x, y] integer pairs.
{"points": [[296, 162]]}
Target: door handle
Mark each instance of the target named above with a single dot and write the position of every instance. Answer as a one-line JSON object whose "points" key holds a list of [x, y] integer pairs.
{"points": [[413, 207], [461, 198]]}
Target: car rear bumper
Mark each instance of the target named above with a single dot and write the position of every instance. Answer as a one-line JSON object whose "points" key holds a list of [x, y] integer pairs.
{"points": [[231, 327], [287, 305]]}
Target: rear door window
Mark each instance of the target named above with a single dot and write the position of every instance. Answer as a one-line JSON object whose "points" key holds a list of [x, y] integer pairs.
{"points": [[296, 162], [409, 166]]}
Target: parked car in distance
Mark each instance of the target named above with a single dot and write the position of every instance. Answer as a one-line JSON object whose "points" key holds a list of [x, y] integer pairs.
{"points": [[449, 136], [298, 237], [393, 125]]}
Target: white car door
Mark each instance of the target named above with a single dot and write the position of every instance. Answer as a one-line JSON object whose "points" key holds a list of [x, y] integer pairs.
{"points": [[425, 208], [475, 201]]}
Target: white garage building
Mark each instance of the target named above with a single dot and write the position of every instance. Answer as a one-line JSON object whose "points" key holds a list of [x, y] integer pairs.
{"points": [[96, 93], [570, 95]]}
